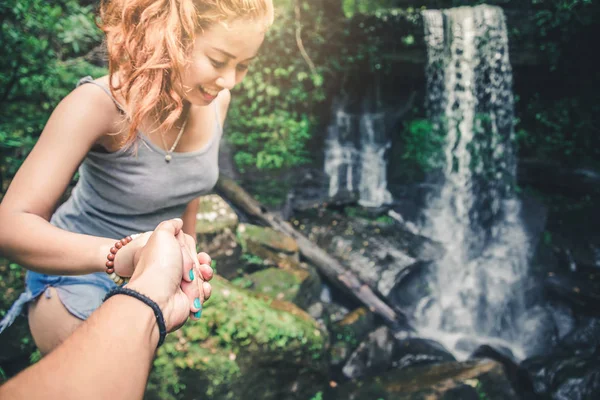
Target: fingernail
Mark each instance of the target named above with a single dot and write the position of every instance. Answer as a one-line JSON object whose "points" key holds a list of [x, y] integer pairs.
{"points": [[197, 303], [198, 314], [191, 274]]}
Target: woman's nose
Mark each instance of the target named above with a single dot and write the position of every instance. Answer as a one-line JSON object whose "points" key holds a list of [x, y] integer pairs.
{"points": [[227, 79]]}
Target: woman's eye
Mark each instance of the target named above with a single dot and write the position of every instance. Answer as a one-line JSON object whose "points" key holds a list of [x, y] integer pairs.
{"points": [[242, 67], [217, 64]]}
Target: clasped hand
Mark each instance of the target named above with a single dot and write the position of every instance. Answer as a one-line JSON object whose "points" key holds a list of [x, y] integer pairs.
{"points": [[167, 269]]}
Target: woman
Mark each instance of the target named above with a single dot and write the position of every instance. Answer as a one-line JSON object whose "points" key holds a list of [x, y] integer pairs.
{"points": [[145, 139]]}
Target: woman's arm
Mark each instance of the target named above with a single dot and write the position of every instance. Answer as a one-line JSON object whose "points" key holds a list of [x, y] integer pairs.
{"points": [[81, 119], [189, 217]]}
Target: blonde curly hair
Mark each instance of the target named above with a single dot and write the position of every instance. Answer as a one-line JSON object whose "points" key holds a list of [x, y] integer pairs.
{"points": [[149, 42]]}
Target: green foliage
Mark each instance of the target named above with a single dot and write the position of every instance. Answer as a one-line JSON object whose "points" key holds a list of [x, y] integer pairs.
{"points": [[252, 259], [317, 396], [359, 212], [481, 394], [270, 119], [423, 144], [564, 129], [42, 43], [352, 7], [561, 122], [237, 332]]}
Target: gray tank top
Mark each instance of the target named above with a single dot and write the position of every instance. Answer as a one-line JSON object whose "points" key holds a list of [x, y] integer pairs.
{"points": [[133, 189]]}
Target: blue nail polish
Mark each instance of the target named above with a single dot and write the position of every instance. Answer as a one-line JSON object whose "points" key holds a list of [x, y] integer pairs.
{"points": [[191, 274], [198, 314], [197, 303]]}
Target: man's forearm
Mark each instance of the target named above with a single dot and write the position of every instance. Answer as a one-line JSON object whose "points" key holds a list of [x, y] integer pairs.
{"points": [[108, 357]]}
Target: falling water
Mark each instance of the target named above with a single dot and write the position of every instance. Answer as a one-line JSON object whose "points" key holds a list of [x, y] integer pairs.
{"points": [[354, 156], [474, 297]]}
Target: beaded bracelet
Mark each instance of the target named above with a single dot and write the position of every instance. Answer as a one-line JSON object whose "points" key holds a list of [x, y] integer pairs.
{"points": [[160, 319], [110, 263]]}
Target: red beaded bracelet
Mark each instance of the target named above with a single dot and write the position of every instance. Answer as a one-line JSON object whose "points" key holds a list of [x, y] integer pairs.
{"points": [[110, 263]]}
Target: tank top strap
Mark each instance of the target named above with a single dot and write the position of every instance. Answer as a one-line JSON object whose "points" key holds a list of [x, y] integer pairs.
{"points": [[89, 79]]}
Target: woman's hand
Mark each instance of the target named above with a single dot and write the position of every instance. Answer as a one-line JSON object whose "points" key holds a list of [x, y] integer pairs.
{"points": [[196, 270], [196, 274], [169, 271], [128, 256]]}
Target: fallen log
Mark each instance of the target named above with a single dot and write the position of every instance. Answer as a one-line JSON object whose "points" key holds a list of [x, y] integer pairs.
{"points": [[326, 264]]}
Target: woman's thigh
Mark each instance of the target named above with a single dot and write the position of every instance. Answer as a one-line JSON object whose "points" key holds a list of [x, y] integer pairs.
{"points": [[50, 322]]}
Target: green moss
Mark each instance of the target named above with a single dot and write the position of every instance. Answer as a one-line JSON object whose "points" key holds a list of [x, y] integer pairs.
{"points": [[219, 355]]}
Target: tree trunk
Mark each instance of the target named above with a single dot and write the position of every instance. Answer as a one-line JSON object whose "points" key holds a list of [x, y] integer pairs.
{"points": [[326, 264]]}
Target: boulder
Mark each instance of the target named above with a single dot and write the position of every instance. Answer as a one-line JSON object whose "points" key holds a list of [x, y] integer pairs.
{"points": [[266, 242], [300, 285], [347, 334], [378, 251], [580, 290], [566, 374], [382, 351], [245, 346], [216, 223], [482, 379]]}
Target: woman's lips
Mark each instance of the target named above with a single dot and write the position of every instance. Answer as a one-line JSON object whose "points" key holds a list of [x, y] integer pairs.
{"points": [[208, 94]]}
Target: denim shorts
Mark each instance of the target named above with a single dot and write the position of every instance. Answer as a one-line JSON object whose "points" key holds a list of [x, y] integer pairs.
{"points": [[80, 294]]}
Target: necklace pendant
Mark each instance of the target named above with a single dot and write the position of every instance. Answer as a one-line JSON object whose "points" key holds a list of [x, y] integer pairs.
{"points": [[168, 158]]}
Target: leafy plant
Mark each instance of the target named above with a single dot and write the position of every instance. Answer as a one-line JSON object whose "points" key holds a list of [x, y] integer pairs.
{"points": [[43, 43]]}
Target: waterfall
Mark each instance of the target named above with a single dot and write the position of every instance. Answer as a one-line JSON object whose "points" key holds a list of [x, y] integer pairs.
{"points": [[474, 296], [354, 156]]}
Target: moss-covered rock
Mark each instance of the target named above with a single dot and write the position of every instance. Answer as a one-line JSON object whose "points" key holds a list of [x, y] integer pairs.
{"points": [[301, 285], [214, 215], [216, 223], [245, 346], [252, 237]]}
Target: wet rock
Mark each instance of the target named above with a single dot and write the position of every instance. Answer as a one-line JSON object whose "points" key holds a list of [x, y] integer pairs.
{"points": [[519, 378], [342, 199], [373, 356], [580, 290], [566, 375], [411, 352], [564, 320], [376, 250], [381, 351], [571, 371], [244, 347], [333, 312], [347, 334], [539, 334], [441, 381], [585, 335], [412, 285], [316, 310]]}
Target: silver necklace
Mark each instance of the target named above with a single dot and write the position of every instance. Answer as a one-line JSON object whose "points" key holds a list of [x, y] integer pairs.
{"points": [[168, 156]]}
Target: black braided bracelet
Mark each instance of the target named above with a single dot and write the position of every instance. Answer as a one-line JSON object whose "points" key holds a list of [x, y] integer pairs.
{"points": [[160, 320]]}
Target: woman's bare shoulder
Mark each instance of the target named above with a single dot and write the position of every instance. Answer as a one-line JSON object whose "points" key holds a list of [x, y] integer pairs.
{"points": [[92, 106]]}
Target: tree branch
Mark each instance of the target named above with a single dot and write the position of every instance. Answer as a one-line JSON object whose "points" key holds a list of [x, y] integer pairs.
{"points": [[299, 43]]}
